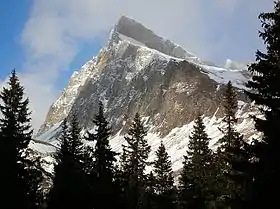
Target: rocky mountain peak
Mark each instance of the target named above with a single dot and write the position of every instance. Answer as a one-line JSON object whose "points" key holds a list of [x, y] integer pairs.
{"points": [[139, 71], [134, 31]]}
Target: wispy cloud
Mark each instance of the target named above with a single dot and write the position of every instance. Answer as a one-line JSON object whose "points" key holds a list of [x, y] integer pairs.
{"points": [[56, 28]]}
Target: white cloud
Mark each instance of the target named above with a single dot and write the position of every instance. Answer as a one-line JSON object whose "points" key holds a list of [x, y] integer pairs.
{"points": [[56, 28]]}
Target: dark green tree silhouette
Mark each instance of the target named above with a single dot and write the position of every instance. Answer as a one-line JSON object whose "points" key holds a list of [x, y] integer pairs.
{"points": [[134, 161], [71, 188], [232, 155], [197, 177], [264, 91], [164, 179], [21, 175], [104, 171]]}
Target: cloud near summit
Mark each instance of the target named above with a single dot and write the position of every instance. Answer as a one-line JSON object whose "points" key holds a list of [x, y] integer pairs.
{"points": [[56, 29]]}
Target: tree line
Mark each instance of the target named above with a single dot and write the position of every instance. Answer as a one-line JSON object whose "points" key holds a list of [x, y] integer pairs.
{"points": [[238, 174]]}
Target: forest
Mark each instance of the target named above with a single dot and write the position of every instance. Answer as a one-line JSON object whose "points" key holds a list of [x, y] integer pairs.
{"points": [[239, 174]]}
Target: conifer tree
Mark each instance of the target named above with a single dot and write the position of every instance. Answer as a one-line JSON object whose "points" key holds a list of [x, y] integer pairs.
{"points": [[20, 177], [196, 180], [264, 91], [104, 183], [151, 184], [230, 109], [163, 171], [134, 159], [164, 184], [70, 184], [232, 154]]}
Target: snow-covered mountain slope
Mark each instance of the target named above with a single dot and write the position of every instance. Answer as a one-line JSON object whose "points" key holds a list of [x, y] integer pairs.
{"points": [[138, 71], [235, 65]]}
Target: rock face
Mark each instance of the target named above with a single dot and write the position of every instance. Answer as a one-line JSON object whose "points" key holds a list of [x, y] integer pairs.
{"points": [[130, 28], [138, 71]]}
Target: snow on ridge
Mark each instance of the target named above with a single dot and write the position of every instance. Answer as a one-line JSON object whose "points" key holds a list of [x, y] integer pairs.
{"points": [[42, 147], [232, 70], [223, 76], [176, 141], [49, 134], [144, 48], [143, 58], [129, 27], [219, 74], [131, 40], [154, 52], [232, 65]]}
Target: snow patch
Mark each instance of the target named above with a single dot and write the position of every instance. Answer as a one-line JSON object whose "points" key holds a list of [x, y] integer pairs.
{"points": [[223, 76], [176, 142], [130, 40], [42, 147], [48, 135]]}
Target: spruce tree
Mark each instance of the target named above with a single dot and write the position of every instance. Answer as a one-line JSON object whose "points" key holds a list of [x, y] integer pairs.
{"points": [[164, 184], [134, 159], [70, 188], [232, 155], [163, 171], [20, 175], [151, 184], [196, 180], [230, 108], [104, 183], [264, 91]]}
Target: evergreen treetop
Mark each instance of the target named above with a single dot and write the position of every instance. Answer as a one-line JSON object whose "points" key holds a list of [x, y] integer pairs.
{"points": [[198, 147], [103, 155], [197, 177], [230, 109], [232, 157], [22, 177], [265, 92], [71, 188], [163, 171], [104, 172], [137, 149], [15, 121], [134, 161]]}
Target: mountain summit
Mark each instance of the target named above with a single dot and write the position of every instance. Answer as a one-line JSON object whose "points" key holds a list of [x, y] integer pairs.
{"points": [[129, 28], [138, 71]]}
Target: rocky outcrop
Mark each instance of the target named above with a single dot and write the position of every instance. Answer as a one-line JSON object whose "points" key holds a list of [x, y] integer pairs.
{"points": [[138, 71]]}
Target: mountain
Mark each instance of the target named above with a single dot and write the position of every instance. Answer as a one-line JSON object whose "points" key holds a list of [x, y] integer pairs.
{"points": [[138, 71]]}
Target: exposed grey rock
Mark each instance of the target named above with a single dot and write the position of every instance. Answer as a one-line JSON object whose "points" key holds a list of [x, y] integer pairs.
{"points": [[137, 31], [138, 71]]}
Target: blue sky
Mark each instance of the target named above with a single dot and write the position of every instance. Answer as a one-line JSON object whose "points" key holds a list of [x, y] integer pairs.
{"points": [[12, 19], [13, 16], [46, 40]]}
